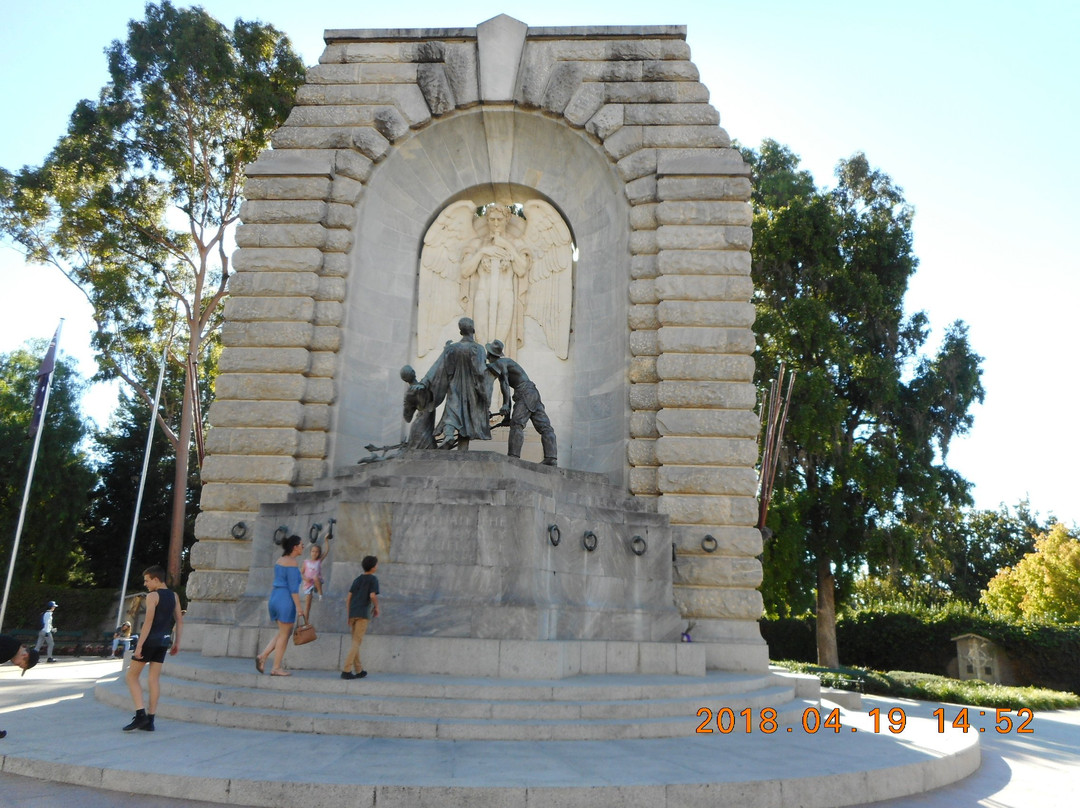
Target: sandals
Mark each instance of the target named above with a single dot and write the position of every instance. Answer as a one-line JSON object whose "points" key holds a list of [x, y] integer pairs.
{"points": [[280, 673], [260, 664]]}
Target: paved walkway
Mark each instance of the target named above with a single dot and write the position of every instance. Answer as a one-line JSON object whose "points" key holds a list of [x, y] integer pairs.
{"points": [[1018, 771]]}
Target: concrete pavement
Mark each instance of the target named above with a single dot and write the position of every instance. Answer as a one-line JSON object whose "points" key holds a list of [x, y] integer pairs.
{"points": [[52, 716]]}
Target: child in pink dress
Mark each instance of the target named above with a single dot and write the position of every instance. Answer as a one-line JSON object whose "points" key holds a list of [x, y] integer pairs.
{"points": [[311, 572]]}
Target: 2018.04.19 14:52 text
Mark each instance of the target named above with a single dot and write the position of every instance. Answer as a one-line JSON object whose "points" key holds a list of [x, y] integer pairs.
{"points": [[725, 720]]}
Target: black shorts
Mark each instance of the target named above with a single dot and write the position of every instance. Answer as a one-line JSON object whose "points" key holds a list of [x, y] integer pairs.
{"points": [[152, 653]]}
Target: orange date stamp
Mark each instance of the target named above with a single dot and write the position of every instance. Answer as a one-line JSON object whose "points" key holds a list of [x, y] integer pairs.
{"points": [[726, 720]]}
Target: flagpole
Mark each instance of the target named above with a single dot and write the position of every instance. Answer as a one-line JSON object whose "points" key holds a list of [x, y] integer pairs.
{"points": [[142, 481], [40, 418]]}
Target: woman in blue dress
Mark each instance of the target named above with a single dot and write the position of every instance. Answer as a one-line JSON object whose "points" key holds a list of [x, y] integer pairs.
{"points": [[284, 604]]}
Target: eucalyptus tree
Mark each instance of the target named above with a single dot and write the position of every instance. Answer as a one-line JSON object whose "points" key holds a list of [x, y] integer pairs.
{"points": [[136, 202], [119, 450], [871, 417]]}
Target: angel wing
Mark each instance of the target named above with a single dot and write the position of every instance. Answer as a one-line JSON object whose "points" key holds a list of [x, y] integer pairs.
{"points": [[439, 296], [551, 257]]}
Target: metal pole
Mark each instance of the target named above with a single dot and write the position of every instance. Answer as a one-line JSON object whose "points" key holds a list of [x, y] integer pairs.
{"points": [[142, 483], [29, 479]]}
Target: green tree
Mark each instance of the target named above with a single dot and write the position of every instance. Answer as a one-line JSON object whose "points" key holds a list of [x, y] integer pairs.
{"points": [[871, 417], [1044, 586], [121, 448], [969, 552], [63, 476], [951, 556], [135, 203]]}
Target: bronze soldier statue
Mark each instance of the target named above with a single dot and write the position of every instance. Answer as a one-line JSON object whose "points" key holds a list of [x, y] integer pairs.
{"points": [[527, 404], [419, 410]]}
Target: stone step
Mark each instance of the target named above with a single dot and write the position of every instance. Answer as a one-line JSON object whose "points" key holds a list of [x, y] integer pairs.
{"points": [[351, 703], [232, 672], [434, 707], [432, 726], [462, 657], [246, 767]]}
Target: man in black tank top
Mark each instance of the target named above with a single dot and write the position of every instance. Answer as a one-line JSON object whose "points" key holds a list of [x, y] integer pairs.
{"points": [[160, 635]]}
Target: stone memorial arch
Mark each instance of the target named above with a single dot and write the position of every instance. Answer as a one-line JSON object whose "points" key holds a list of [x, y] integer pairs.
{"points": [[643, 352]]}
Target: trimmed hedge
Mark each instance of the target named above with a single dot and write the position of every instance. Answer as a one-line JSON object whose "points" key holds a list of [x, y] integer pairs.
{"points": [[915, 638], [84, 610]]}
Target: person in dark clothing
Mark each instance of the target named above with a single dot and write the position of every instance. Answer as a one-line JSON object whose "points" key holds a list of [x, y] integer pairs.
{"points": [[13, 651], [160, 635], [362, 605], [527, 404]]}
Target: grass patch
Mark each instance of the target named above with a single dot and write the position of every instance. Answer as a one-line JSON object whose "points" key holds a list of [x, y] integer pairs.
{"points": [[927, 687]]}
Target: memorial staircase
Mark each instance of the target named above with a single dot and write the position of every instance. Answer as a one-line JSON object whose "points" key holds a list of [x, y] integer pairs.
{"points": [[231, 693], [230, 736]]}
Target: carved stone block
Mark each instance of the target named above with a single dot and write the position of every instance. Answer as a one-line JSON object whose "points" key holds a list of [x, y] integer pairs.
{"points": [[257, 414], [705, 340], [262, 309], [707, 480], [715, 602], [707, 423], [714, 367], [718, 395], [251, 441], [280, 212], [697, 450], [705, 313], [690, 509], [704, 262], [727, 540]]}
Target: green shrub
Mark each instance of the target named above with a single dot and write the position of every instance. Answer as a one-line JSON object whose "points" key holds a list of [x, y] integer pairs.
{"points": [[79, 609], [908, 637], [912, 685], [791, 638]]}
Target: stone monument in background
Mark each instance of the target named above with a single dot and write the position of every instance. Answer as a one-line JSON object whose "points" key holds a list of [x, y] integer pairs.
{"points": [[570, 190]]}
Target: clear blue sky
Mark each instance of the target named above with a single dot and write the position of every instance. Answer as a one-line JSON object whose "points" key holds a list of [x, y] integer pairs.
{"points": [[971, 107]]}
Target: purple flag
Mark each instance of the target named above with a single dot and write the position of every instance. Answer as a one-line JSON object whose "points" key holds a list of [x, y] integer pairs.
{"points": [[44, 375]]}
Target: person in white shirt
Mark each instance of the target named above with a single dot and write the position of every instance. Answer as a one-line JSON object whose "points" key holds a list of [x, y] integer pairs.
{"points": [[45, 636]]}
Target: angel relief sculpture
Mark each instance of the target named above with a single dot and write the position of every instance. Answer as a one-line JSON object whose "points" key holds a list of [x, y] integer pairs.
{"points": [[498, 268]]}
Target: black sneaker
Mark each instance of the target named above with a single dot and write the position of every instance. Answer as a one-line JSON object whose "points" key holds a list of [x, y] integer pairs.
{"points": [[348, 675], [361, 675], [138, 722], [50, 659]]}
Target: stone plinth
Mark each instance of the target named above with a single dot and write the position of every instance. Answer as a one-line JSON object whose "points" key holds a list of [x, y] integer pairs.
{"points": [[479, 545]]}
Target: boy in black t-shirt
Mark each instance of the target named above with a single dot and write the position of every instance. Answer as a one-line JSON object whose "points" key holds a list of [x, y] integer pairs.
{"points": [[362, 604]]}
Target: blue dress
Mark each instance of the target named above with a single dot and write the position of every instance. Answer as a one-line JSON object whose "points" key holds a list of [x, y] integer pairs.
{"points": [[286, 582]]}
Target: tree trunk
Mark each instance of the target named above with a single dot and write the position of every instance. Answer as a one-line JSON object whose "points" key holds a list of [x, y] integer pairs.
{"points": [[180, 483], [826, 615]]}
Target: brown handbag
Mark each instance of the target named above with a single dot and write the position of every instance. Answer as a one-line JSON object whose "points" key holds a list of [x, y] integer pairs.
{"points": [[304, 632]]}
